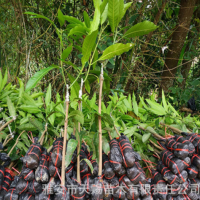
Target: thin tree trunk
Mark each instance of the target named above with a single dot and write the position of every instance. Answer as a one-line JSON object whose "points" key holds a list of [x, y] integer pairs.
{"points": [[178, 39]]}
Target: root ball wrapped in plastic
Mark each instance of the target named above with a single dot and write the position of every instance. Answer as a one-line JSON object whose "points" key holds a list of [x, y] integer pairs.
{"points": [[128, 154], [126, 184], [174, 164], [136, 174], [42, 171], [11, 195], [108, 170], [78, 193], [167, 175], [27, 174], [26, 196], [183, 140], [192, 172], [97, 188], [181, 197], [183, 176], [43, 196], [121, 172], [196, 160], [87, 181], [115, 155], [179, 150], [8, 177], [94, 164], [53, 169], [68, 174], [2, 172], [59, 195], [56, 154], [84, 168], [32, 157], [5, 158], [34, 187], [107, 195], [22, 186]]}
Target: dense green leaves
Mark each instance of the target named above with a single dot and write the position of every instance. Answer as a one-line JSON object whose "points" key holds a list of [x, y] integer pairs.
{"points": [[86, 19], [66, 52]]}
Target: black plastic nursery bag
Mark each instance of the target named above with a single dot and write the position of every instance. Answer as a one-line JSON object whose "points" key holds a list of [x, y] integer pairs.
{"points": [[27, 196], [56, 154], [108, 170], [27, 174], [34, 187]]}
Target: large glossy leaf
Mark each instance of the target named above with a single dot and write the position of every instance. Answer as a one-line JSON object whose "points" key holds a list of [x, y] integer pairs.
{"points": [[104, 15], [61, 18], [96, 19], [87, 47], [11, 107], [146, 137], [78, 30], [86, 19], [105, 145], [115, 49], [113, 13], [66, 52], [30, 108], [121, 8], [122, 13], [140, 29], [89, 164], [71, 147], [37, 77]]}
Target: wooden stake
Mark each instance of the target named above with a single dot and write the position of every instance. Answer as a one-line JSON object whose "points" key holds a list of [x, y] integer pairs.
{"points": [[99, 120], [7, 123], [109, 135], [41, 140], [117, 131], [15, 143], [79, 142], [65, 139]]}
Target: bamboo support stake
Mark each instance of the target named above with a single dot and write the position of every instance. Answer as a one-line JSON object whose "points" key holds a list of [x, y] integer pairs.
{"points": [[41, 140], [79, 142], [99, 120], [15, 143], [65, 139], [7, 123], [109, 135], [117, 131]]}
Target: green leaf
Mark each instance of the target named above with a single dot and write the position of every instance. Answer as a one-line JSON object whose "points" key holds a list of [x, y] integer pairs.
{"points": [[86, 19], [73, 20], [89, 164], [71, 147], [27, 127], [87, 86], [121, 8], [95, 59], [30, 108], [104, 15], [126, 6], [140, 29], [105, 145], [52, 115], [113, 13], [96, 19], [78, 30], [127, 104], [36, 123], [21, 90], [135, 106], [77, 115], [11, 107], [75, 88], [37, 77], [146, 137], [48, 96], [107, 118], [164, 101], [4, 81], [88, 45], [66, 52], [156, 108], [61, 18], [103, 6], [115, 50]]}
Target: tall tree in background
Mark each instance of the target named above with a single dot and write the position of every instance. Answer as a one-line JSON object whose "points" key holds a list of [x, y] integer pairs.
{"points": [[184, 20]]}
